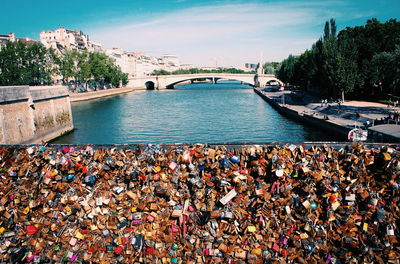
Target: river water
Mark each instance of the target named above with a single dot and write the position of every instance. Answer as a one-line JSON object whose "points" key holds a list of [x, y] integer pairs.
{"points": [[227, 112]]}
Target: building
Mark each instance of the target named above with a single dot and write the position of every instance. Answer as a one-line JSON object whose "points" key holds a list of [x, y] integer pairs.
{"points": [[145, 64], [133, 63], [171, 61], [250, 66], [7, 37], [11, 38], [137, 64], [94, 46], [124, 60], [187, 66], [64, 39], [27, 41]]}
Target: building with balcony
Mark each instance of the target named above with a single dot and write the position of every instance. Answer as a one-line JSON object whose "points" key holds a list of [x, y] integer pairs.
{"points": [[94, 46], [7, 37], [64, 39]]}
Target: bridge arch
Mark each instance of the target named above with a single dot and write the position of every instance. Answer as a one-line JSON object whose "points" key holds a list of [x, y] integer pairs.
{"points": [[171, 84], [150, 85], [168, 81]]}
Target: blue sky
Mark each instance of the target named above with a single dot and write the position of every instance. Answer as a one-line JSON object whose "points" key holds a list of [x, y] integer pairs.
{"points": [[200, 32]]}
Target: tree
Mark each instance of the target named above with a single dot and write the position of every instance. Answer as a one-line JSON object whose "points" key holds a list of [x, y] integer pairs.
{"points": [[68, 66], [368, 40], [85, 73], [124, 79], [23, 64], [352, 61], [287, 69], [98, 68], [387, 66], [196, 70], [271, 67]]}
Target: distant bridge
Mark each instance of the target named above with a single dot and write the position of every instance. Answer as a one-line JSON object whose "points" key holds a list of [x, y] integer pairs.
{"points": [[170, 81]]}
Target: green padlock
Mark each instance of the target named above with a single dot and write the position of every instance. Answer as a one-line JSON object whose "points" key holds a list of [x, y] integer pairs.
{"points": [[110, 248]]}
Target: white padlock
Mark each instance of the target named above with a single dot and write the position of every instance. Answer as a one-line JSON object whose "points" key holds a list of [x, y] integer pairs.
{"points": [[390, 230]]}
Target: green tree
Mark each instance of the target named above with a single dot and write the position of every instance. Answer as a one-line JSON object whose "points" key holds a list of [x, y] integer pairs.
{"points": [[124, 79], [22, 64], [68, 66], [373, 38], [84, 73], [196, 71], [98, 68], [287, 69], [387, 66], [271, 67]]}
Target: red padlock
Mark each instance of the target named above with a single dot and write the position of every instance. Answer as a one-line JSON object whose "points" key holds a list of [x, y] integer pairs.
{"points": [[31, 230]]}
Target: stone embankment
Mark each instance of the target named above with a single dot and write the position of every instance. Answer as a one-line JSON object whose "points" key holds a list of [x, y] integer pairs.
{"points": [[332, 117], [76, 97], [33, 114]]}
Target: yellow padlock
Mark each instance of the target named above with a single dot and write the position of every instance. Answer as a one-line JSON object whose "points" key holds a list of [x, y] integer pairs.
{"points": [[68, 210], [251, 229], [79, 235], [26, 210], [256, 251]]}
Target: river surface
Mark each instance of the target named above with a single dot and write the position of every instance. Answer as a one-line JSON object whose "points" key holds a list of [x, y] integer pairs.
{"points": [[228, 112]]}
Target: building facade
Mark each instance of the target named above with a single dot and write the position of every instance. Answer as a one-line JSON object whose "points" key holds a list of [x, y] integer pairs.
{"points": [[64, 39], [124, 60], [250, 66], [94, 46], [138, 64], [7, 37], [171, 61]]}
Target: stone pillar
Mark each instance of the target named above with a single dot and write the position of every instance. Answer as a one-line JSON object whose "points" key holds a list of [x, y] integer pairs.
{"points": [[3, 131], [256, 81]]}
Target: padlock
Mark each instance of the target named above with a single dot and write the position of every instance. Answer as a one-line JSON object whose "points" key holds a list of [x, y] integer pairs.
{"points": [[390, 230]]}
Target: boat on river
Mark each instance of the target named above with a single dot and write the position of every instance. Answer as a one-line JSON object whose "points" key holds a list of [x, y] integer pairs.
{"points": [[357, 135]]}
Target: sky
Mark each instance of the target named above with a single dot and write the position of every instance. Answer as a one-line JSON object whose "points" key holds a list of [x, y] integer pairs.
{"points": [[199, 32]]}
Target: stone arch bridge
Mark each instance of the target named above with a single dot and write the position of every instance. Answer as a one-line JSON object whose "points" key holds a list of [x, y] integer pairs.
{"points": [[170, 81]]}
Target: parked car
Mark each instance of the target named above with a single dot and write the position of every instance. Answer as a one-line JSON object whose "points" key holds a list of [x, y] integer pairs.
{"points": [[273, 83], [274, 88]]}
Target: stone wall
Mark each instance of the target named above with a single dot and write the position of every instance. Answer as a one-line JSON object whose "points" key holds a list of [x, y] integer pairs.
{"points": [[33, 114]]}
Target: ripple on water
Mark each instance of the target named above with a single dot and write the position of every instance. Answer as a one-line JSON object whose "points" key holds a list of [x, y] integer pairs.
{"points": [[191, 113]]}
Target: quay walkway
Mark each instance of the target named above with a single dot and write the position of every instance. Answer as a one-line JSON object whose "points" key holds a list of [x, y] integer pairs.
{"points": [[76, 97], [332, 117]]}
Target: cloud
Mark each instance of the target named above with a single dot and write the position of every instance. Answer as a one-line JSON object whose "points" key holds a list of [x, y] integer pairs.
{"points": [[235, 33]]}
